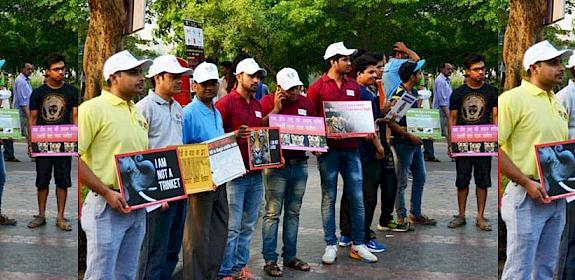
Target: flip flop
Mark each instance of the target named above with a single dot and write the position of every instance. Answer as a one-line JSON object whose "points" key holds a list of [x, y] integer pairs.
{"points": [[61, 224], [37, 222], [483, 226]]}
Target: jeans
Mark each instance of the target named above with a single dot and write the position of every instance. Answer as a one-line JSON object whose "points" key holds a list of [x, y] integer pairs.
{"points": [[2, 178], [330, 164], [409, 157], [428, 151], [113, 240], [284, 188], [8, 148], [388, 186], [163, 242], [533, 234], [244, 198], [566, 262]]}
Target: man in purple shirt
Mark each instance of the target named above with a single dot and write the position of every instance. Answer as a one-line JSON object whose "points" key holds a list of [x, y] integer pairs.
{"points": [[21, 101]]}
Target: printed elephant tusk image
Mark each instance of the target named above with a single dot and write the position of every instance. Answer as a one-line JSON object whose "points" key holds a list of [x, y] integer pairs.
{"points": [[138, 175], [147, 198], [565, 187]]}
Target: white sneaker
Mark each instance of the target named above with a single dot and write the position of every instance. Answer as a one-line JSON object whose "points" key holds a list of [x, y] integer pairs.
{"points": [[360, 252], [330, 254]]}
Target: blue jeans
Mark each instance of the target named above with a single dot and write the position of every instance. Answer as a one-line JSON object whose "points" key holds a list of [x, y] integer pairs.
{"points": [[163, 241], [330, 164], [409, 157], [285, 188], [244, 198], [113, 240], [2, 178], [533, 234]]}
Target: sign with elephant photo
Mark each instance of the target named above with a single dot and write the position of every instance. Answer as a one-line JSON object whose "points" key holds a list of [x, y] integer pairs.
{"points": [[264, 148], [54, 140], [556, 162], [474, 140], [348, 119], [424, 123], [150, 177], [300, 133]]}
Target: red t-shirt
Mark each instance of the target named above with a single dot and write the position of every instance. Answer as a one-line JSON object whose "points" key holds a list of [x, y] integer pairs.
{"points": [[236, 112], [299, 107], [326, 89]]}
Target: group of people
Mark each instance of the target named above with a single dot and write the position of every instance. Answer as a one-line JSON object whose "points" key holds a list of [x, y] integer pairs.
{"points": [[215, 227], [55, 102]]}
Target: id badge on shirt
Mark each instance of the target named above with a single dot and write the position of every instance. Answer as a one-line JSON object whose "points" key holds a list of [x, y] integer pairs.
{"points": [[302, 112], [258, 114], [350, 92]]}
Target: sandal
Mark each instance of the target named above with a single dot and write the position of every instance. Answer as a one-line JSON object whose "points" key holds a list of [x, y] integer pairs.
{"points": [[5, 221], [297, 264], [457, 222], [61, 224], [483, 225], [37, 222], [272, 269]]}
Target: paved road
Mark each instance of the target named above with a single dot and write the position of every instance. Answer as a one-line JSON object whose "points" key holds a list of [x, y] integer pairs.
{"points": [[43, 253]]}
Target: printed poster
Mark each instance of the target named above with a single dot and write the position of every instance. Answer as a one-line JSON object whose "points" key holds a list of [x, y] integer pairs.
{"points": [[150, 177], [401, 106], [264, 148], [474, 140], [300, 132], [424, 123], [556, 162], [346, 119], [54, 140], [10, 124], [196, 172], [225, 158]]}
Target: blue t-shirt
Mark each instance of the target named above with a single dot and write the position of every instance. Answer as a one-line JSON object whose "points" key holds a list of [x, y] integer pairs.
{"points": [[390, 77], [201, 123]]}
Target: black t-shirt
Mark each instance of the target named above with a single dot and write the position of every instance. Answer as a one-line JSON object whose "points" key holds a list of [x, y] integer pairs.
{"points": [[403, 122], [54, 105], [475, 106]]}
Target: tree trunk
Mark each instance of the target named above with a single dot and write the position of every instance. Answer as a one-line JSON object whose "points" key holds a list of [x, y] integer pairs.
{"points": [[525, 27], [104, 38]]}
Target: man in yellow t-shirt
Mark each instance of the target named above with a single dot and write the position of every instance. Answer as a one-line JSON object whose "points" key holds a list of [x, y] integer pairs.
{"points": [[530, 115], [111, 124]]}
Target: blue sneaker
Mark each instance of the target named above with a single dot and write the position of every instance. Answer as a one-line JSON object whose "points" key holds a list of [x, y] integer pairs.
{"points": [[344, 241], [375, 247]]}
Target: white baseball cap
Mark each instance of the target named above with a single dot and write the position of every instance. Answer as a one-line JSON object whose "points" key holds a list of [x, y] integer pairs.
{"points": [[123, 61], [543, 51], [571, 63], [167, 63], [337, 48], [288, 78], [205, 72], [249, 66]]}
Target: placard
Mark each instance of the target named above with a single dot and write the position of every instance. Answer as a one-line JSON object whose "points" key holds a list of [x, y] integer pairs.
{"points": [[194, 38], [401, 106], [346, 119], [300, 132], [150, 177], [10, 124], [474, 140], [54, 140], [556, 163], [264, 148], [424, 123], [196, 171], [226, 160]]}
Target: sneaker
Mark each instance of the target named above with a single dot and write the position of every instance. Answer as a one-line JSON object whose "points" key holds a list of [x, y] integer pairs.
{"points": [[344, 241], [360, 252], [403, 225], [246, 274], [390, 226], [422, 220], [330, 254], [375, 247]]}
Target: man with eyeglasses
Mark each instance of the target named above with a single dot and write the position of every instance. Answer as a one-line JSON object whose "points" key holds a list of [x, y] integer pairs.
{"points": [[530, 115], [474, 103], [111, 124], [53, 103]]}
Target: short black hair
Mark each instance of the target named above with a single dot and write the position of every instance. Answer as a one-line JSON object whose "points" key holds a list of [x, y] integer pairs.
{"points": [[53, 58], [443, 65], [471, 59], [361, 62], [22, 66], [328, 61], [210, 60], [406, 71], [227, 64], [377, 56]]}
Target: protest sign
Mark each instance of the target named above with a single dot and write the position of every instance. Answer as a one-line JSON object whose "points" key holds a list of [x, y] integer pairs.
{"points": [[225, 159], [346, 119], [401, 106], [300, 132], [10, 124], [556, 163], [194, 38], [196, 172], [424, 123], [264, 148], [150, 177], [474, 140], [54, 140]]}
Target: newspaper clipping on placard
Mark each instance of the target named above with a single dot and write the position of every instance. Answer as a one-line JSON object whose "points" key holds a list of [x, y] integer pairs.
{"points": [[264, 148], [10, 124], [54, 140], [474, 140], [424, 123], [300, 132], [196, 171], [225, 158], [401, 106], [347, 119], [556, 162]]}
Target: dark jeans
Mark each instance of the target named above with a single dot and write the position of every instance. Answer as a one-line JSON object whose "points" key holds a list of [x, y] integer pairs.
{"points": [[8, 149], [163, 241], [428, 151], [388, 186], [206, 233], [566, 262]]}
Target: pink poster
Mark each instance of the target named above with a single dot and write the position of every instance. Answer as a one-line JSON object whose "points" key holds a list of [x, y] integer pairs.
{"points": [[300, 133], [474, 140], [54, 140]]}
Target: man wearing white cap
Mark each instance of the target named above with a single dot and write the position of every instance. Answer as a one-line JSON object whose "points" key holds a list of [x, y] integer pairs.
{"points": [[566, 265], [285, 187], [343, 156], [164, 226], [528, 115], [206, 228], [240, 110], [111, 124]]}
